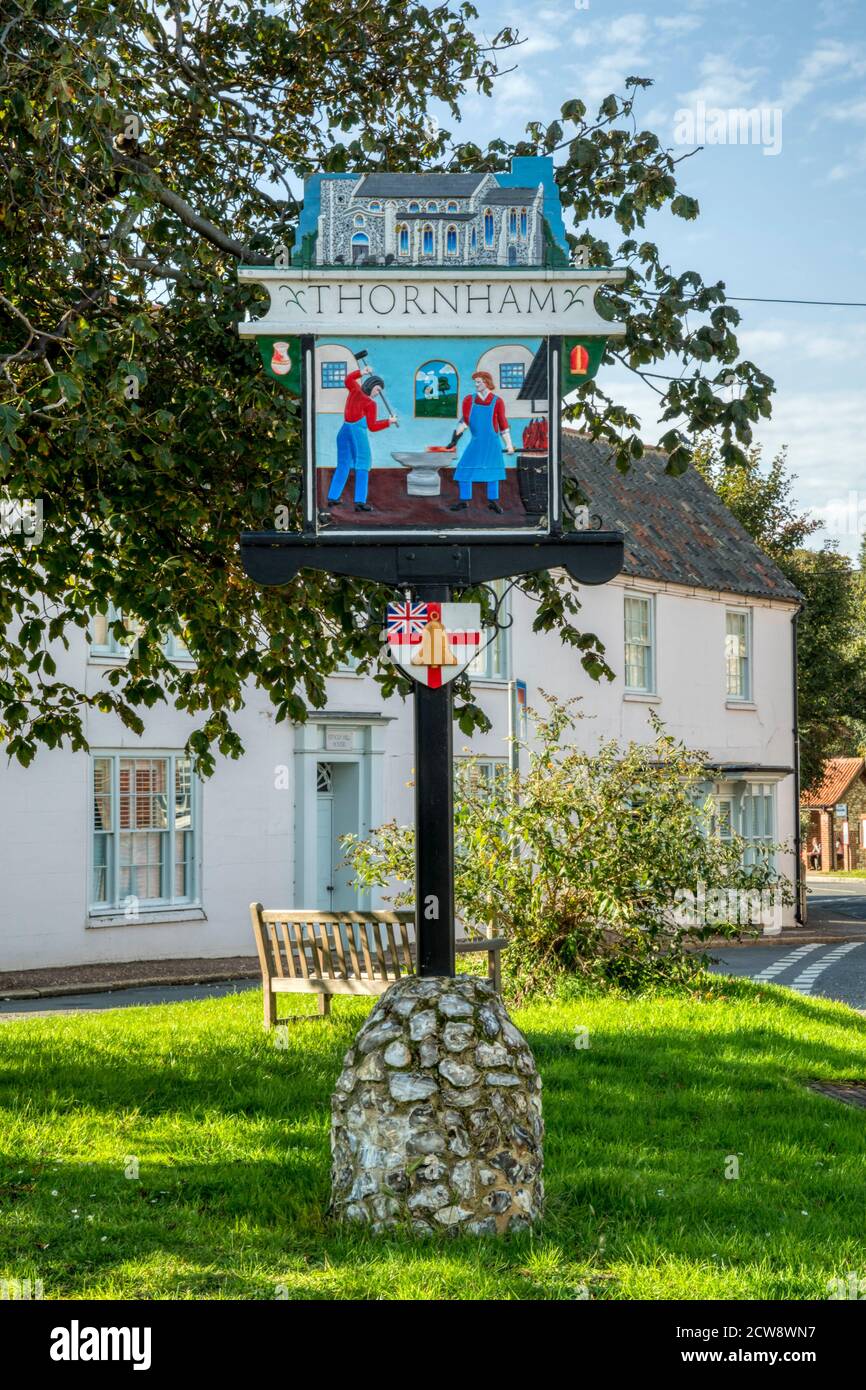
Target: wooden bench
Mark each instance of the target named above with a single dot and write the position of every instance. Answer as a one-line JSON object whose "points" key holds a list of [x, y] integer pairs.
{"points": [[326, 953]]}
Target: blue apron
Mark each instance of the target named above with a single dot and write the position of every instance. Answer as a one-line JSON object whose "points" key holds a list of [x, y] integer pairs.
{"points": [[481, 460]]}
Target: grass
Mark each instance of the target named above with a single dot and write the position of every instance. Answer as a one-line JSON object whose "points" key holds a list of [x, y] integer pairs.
{"points": [[838, 873], [230, 1133]]}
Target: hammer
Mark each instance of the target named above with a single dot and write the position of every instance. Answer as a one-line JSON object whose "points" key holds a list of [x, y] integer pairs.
{"points": [[359, 356]]}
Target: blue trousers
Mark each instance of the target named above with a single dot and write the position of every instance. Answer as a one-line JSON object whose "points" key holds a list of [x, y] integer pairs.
{"points": [[341, 474], [466, 492], [353, 451]]}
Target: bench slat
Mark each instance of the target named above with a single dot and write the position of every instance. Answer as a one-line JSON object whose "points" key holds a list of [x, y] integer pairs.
{"points": [[369, 971], [299, 929], [327, 987], [327, 960], [353, 952], [285, 933], [395, 954], [275, 948], [340, 948], [407, 947], [380, 954]]}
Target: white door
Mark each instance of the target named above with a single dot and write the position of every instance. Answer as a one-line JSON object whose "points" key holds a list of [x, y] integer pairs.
{"points": [[324, 838]]}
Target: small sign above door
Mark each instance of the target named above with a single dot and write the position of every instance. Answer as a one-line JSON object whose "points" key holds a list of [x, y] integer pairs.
{"points": [[339, 740]]}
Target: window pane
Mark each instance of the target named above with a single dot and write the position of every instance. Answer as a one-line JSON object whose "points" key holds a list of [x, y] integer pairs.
{"points": [[102, 817], [725, 820], [492, 661], [102, 866], [141, 864], [511, 376], [182, 794], [638, 643], [736, 654], [99, 630], [637, 620], [183, 852], [143, 801]]}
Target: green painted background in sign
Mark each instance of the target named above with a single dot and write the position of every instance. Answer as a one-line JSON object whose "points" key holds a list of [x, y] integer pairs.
{"points": [[282, 361], [595, 351]]}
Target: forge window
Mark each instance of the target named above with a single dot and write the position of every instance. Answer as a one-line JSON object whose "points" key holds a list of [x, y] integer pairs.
{"points": [[511, 376], [333, 375]]}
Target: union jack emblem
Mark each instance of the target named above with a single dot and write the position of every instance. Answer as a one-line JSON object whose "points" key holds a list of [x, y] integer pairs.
{"points": [[406, 621]]}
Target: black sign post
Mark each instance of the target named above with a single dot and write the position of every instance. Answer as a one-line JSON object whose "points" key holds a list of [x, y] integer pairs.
{"points": [[434, 821], [430, 571]]}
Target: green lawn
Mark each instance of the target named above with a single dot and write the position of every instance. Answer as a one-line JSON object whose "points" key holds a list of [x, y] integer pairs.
{"points": [[231, 1135], [837, 873]]}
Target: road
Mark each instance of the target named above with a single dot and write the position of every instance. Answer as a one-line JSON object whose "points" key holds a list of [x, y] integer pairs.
{"points": [[830, 969], [821, 970], [837, 904], [119, 999]]}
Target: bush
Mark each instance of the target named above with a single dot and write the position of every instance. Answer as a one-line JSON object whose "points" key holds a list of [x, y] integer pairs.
{"points": [[605, 865]]}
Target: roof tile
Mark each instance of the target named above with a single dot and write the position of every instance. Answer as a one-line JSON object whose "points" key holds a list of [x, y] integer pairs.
{"points": [[676, 529], [836, 778]]}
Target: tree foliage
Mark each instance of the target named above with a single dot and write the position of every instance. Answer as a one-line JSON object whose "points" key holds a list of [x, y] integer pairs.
{"points": [[594, 865], [148, 149]]}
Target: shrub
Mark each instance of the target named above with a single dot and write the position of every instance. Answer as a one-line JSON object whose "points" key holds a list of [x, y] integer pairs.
{"points": [[605, 865]]}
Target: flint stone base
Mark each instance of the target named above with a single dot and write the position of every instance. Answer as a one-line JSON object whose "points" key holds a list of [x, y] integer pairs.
{"points": [[436, 1116]]}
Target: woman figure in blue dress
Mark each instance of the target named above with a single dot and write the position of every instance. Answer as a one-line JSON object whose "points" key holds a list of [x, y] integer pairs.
{"points": [[481, 462]]}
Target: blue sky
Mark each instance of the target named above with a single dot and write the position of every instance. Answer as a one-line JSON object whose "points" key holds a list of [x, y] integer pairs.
{"points": [[785, 225]]}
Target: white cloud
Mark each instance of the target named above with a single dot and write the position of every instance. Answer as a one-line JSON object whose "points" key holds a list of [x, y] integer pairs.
{"points": [[614, 51], [831, 59], [825, 346], [847, 111], [853, 163], [678, 24], [723, 82], [515, 97], [537, 42]]}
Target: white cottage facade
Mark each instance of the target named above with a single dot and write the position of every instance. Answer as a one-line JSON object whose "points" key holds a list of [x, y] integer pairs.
{"points": [[123, 854]]}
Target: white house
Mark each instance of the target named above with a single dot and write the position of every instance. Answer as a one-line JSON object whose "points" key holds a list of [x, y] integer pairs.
{"points": [[121, 854]]}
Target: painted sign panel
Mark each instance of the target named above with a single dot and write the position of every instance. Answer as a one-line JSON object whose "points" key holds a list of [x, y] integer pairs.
{"points": [[408, 302], [432, 323], [430, 434], [433, 642]]}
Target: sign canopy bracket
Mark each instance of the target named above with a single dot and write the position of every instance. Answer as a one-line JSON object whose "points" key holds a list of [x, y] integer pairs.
{"points": [[275, 557]]}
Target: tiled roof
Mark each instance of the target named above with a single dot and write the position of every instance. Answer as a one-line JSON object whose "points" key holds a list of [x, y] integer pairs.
{"points": [[509, 196], [534, 387], [419, 185], [676, 529], [836, 778]]}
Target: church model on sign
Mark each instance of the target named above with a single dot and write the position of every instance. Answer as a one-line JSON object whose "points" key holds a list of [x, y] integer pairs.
{"points": [[465, 219]]}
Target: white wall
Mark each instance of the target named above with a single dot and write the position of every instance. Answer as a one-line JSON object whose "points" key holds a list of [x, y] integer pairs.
{"points": [[248, 831]]}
